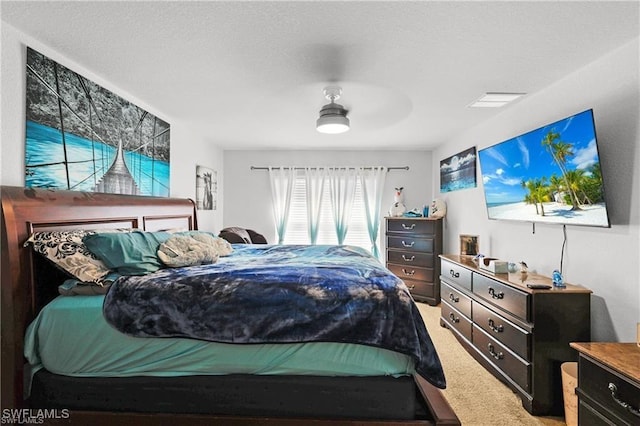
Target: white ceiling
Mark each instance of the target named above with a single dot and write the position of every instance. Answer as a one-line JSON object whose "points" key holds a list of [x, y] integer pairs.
{"points": [[249, 75]]}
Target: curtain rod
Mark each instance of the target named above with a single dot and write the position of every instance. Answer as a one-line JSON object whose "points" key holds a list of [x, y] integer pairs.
{"points": [[347, 167]]}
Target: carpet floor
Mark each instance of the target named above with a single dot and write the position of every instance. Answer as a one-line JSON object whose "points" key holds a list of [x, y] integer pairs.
{"points": [[477, 397]]}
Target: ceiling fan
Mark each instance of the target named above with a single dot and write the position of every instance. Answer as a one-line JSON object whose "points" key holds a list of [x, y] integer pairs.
{"points": [[333, 117]]}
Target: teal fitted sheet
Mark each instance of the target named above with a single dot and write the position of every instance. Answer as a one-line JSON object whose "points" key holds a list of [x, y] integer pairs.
{"points": [[71, 337]]}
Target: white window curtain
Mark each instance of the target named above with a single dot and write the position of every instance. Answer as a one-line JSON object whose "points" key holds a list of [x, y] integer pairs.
{"points": [[372, 181], [314, 179], [282, 180], [342, 185]]}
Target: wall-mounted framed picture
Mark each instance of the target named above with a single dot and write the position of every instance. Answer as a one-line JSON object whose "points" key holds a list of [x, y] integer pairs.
{"points": [[206, 188], [469, 245], [458, 171], [83, 137]]}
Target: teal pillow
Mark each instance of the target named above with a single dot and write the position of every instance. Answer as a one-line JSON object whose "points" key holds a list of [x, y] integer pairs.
{"points": [[134, 253]]}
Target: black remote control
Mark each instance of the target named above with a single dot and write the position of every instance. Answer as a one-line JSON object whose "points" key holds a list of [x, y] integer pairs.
{"points": [[539, 286]]}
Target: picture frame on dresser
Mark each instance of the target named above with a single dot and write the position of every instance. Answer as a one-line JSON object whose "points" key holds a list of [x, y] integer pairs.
{"points": [[469, 245]]}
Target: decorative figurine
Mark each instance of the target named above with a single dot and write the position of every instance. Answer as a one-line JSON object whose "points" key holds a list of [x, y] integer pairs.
{"points": [[523, 267], [398, 208], [557, 279], [438, 208]]}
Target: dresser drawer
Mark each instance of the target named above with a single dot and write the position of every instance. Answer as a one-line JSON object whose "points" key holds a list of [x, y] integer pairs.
{"points": [[456, 299], [410, 243], [516, 368], [410, 258], [456, 274], [589, 416], [411, 272], [456, 320], [609, 389], [412, 226], [512, 336], [422, 289], [511, 300]]}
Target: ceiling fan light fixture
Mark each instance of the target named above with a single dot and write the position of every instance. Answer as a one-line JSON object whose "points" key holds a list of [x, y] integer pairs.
{"points": [[333, 117]]}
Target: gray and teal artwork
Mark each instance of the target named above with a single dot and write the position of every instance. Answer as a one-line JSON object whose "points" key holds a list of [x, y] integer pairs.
{"points": [[82, 137]]}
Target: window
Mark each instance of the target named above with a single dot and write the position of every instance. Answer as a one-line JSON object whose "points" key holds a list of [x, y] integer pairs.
{"points": [[297, 230]]}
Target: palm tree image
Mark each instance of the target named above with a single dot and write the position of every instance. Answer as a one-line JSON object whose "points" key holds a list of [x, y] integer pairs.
{"points": [[560, 151], [538, 193], [551, 175]]}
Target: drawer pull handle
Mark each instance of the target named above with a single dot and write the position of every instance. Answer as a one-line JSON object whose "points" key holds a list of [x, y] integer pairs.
{"points": [[408, 245], [410, 259], [495, 295], [409, 273], [614, 390], [453, 318], [413, 225], [454, 274], [496, 355], [453, 298], [496, 328]]}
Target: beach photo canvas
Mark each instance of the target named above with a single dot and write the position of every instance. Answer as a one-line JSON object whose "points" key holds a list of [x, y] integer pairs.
{"points": [[548, 175], [83, 137], [458, 171]]}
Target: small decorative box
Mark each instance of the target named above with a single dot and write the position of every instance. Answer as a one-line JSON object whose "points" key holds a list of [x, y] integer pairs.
{"points": [[493, 265]]}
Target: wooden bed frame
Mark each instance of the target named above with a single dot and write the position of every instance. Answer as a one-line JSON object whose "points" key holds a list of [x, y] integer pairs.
{"points": [[25, 211]]}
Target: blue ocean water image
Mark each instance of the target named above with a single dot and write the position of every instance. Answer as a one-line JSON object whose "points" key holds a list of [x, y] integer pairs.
{"points": [[458, 179], [87, 162]]}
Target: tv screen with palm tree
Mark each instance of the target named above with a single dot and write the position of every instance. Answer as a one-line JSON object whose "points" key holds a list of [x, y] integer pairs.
{"points": [[548, 175]]}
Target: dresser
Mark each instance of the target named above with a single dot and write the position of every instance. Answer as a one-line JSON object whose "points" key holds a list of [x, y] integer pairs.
{"points": [[413, 247], [520, 335], [608, 383]]}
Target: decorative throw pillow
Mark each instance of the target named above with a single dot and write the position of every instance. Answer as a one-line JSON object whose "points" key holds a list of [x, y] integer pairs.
{"points": [[193, 248], [184, 250], [134, 253], [67, 251]]}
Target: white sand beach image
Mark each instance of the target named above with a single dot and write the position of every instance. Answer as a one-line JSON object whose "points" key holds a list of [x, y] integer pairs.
{"points": [[591, 215]]}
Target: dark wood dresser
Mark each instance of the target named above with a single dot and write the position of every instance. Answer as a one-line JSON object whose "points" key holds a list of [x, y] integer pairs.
{"points": [[520, 335], [413, 247], [608, 383]]}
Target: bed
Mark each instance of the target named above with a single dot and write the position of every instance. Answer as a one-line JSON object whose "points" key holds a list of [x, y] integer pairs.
{"points": [[30, 290]]}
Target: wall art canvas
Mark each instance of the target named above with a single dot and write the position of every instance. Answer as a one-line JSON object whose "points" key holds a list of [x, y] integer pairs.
{"points": [[458, 171], [206, 188], [82, 137]]}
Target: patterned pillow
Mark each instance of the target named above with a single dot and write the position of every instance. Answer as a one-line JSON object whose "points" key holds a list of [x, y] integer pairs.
{"points": [[67, 251]]}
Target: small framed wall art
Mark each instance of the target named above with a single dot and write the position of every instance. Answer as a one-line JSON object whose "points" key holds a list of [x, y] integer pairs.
{"points": [[206, 188], [458, 171]]}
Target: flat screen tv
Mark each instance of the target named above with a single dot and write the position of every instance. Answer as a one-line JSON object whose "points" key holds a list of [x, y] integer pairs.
{"points": [[548, 175]]}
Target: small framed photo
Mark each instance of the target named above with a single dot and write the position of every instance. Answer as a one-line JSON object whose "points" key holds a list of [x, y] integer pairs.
{"points": [[469, 245]]}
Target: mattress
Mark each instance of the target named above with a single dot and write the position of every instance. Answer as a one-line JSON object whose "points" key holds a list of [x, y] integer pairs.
{"points": [[71, 337]]}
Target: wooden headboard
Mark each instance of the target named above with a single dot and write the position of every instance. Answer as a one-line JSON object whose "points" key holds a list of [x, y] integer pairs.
{"points": [[24, 289]]}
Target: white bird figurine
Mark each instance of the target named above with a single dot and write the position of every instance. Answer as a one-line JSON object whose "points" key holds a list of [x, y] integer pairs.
{"points": [[523, 267]]}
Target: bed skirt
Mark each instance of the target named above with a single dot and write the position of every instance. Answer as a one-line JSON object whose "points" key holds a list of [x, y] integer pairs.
{"points": [[235, 395]]}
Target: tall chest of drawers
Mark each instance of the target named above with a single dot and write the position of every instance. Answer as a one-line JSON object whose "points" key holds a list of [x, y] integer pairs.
{"points": [[521, 336], [413, 247], [608, 383]]}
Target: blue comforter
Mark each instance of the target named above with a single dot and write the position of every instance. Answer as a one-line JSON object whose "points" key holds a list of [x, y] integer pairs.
{"points": [[278, 294]]}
